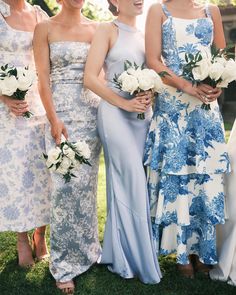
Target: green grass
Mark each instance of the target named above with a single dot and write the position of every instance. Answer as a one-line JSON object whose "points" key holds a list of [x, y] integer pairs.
{"points": [[98, 280]]}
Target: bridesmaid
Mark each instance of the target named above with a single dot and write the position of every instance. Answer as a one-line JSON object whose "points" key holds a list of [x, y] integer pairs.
{"points": [[185, 150], [61, 45], [226, 268], [24, 184], [127, 249]]}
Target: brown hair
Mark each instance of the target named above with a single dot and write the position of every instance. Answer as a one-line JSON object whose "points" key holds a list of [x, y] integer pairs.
{"points": [[112, 8]]}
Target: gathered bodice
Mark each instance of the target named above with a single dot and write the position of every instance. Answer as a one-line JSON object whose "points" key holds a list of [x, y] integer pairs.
{"points": [[128, 46], [180, 36], [68, 62]]}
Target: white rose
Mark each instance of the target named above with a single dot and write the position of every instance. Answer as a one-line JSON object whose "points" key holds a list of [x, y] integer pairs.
{"points": [[9, 85], [54, 156], [145, 79], [220, 60], [158, 84], [25, 78], [229, 74], [131, 71], [216, 70], [64, 166], [201, 71], [122, 76], [68, 152], [129, 84], [83, 149]]}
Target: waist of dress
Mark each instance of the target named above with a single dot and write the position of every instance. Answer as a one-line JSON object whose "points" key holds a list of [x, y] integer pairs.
{"points": [[68, 77], [67, 80]]}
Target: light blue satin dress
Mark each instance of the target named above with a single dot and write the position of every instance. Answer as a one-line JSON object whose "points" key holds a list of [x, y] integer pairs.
{"points": [[128, 247]]}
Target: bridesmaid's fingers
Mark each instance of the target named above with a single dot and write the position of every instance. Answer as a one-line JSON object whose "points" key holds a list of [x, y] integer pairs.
{"points": [[65, 133], [58, 138]]}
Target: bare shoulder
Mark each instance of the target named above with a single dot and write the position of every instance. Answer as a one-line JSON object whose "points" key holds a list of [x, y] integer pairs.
{"points": [[41, 27], [156, 9], [214, 10], [106, 28], [155, 12]]}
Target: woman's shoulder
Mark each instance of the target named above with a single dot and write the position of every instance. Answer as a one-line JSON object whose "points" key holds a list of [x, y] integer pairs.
{"points": [[214, 9], [42, 14], [156, 10]]}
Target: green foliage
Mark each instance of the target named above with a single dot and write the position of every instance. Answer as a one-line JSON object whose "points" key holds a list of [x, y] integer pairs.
{"points": [[91, 10], [96, 12]]}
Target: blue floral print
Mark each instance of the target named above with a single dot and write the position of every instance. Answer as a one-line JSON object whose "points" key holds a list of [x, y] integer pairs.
{"points": [[185, 155]]}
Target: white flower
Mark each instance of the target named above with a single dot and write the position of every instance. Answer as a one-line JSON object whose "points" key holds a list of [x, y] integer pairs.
{"points": [[229, 74], [54, 156], [201, 71], [68, 152], [8, 85], [25, 77], [83, 149], [158, 84], [216, 70], [131, 71], [220, 60], [129, 83], [145, 79], [64, 166], [123, 76]]}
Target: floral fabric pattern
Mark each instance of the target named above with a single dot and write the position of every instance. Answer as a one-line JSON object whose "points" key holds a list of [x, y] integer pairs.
{"points": [[25, 182], [74, 234], [185, 154]]}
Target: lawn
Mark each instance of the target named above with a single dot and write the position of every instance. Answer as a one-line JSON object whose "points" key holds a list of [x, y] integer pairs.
{"points": [[98, 280]]}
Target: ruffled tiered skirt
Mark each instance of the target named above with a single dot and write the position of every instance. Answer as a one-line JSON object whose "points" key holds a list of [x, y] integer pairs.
{"points": [[186, 157]]}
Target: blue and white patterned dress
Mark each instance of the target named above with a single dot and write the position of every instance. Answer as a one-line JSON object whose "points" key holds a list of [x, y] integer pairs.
{"points": [[185, 153], [74, 231], [25, 186]]}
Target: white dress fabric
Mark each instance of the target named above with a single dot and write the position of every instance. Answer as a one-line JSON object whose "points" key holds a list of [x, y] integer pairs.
{"points": [[226, 269], [24, 179]]}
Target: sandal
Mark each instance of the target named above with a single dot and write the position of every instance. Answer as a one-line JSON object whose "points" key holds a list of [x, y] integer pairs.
{"points": [[66, 287], [23, 247], [199, 266], [43, 257], [186, 270]]}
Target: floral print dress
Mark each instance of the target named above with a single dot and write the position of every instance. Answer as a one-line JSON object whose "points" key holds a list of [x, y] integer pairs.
{"points": [[185, 153], [24, 180], [74, 231]]}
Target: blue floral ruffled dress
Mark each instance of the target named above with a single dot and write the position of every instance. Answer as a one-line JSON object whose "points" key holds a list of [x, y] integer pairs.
{"points": [[185, 154]]}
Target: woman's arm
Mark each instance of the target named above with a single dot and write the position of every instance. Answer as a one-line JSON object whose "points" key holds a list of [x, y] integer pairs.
{"points": [[153, 38], [219, 38], [95, 61], [42, 62]]}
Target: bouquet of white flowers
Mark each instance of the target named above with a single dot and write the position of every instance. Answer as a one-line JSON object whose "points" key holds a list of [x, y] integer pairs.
{"points": [[15, 83], [137, 79], [216, 70], [65, 157]]}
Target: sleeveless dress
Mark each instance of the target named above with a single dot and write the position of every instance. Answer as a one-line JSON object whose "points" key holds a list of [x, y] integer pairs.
{"points": [[74, 231], [128, 247], [226, 269], [24, 179], [185, 153]]}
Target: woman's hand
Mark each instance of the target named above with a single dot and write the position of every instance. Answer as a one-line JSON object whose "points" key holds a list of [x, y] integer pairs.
{"points": [[139, 104], [17, 107], [57, 129], [203, 92], [145, 97]]}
